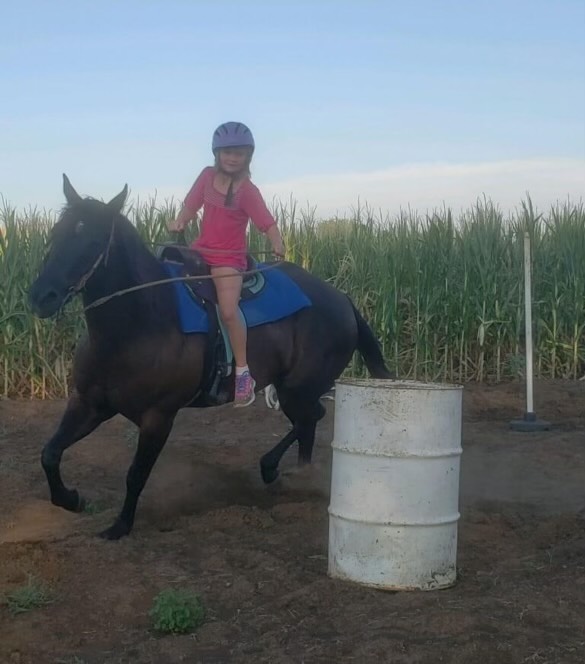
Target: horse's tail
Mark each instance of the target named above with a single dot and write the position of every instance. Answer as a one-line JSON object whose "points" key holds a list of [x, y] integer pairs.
{"points": [[369, 348]]}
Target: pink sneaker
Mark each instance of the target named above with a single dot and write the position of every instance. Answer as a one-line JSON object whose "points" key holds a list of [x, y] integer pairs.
{"points": [[245, 395]]}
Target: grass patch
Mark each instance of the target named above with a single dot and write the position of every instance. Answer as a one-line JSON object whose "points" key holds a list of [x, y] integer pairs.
{"points": [[177, 612], [93, 507], [33, 595]]}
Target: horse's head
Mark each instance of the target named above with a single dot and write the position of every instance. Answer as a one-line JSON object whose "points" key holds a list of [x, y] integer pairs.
{"points": [[79, 244]]}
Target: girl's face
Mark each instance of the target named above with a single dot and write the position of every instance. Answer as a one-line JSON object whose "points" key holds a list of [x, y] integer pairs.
{"points": [[233, 160]]}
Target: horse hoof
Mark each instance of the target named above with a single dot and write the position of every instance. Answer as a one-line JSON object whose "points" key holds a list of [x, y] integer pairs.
{"points": [[115, 532], [70, 501], [269, 475]]}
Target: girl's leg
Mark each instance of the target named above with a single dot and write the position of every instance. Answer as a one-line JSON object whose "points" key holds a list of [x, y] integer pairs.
{"points": [[228, 284]]}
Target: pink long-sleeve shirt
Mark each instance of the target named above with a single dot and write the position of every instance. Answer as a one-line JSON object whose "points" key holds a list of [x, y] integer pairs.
{"points": [[223, 229]]}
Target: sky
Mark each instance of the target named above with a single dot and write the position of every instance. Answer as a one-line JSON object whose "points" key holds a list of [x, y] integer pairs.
{"points": [[393, 104]]}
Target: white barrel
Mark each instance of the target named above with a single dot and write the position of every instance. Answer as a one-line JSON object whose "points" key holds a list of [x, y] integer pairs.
{"points": [[394, 503]]}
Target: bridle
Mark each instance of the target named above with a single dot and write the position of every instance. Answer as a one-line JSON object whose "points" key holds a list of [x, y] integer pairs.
{"points": [[103, 257]]}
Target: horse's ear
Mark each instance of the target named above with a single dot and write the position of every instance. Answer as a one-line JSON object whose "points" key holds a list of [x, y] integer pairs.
{"points": [[117, 203], [71, 196]]}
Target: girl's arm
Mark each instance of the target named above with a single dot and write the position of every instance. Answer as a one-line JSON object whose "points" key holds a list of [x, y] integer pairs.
{"points": [[192, 204], [275, 238], [182, 220], [255, 207]]}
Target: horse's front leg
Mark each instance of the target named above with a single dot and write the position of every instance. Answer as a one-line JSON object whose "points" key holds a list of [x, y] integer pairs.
{"points": [[154, 431], [80, 419]]}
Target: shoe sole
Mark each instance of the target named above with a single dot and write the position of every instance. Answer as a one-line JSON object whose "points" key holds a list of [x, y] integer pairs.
{"points": [[245, 403]]}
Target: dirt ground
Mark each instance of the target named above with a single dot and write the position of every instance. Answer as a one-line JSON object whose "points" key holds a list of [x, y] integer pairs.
{"points": [[258, 556]]}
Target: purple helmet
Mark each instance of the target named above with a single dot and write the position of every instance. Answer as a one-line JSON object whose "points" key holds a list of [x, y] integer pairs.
{"points": [[232, 135]]}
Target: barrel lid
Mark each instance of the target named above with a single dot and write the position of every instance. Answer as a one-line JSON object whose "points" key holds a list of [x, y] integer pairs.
{"points": [[389, 384]]}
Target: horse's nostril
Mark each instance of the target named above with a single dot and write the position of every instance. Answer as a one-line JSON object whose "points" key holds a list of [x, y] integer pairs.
{"points": [[44, 302]]}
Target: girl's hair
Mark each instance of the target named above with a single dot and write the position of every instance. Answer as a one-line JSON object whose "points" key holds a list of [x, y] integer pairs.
{"points": [[246, 170]]}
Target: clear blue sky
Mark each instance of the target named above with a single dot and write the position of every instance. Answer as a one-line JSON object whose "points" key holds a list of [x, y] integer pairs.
{"points": [[115, 92]]}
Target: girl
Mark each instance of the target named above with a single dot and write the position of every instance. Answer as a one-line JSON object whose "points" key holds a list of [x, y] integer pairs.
{"points": [[229, 200]]}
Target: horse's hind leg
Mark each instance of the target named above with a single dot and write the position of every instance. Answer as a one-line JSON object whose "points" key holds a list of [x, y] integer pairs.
{"points": [[269, 462], [304, 412], [154, 431], [306, 426], [80, 419]]}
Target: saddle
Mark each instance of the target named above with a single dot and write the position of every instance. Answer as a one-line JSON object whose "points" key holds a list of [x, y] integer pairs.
{"points": [[219, 366], [194, 265]]}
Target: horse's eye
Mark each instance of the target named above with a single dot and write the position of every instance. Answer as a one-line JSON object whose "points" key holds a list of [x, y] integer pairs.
{"points": [[79, 227]]}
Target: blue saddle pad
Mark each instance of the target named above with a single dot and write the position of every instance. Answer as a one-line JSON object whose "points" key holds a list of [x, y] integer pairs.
{"points": [[279, 297]]}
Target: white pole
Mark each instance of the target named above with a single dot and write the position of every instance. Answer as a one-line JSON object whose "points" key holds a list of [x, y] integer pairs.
{"points": [[528, 423], [528, 322]]}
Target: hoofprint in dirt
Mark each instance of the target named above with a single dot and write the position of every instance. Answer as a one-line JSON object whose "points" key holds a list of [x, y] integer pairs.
{"points": [[258, 556]]}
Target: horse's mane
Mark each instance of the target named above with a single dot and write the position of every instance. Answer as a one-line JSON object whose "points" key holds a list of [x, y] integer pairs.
{"points": [[135, 258]]}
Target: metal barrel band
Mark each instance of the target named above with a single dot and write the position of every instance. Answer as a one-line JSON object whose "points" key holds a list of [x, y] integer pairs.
{"points": [[444, 521], [456, 452]]}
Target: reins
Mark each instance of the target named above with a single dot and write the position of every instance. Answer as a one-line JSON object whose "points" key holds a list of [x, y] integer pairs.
{"points": [[150, 284], [105, 255]]}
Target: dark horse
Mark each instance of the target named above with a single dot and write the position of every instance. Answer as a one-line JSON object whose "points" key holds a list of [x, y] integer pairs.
{"points": [[136, 361]]}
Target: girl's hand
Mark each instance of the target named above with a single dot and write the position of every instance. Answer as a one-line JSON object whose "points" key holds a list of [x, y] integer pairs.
{"points": [[175, 226], [279, 250]]}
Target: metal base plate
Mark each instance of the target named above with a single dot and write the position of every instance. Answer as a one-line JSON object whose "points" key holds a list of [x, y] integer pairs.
{"points": [[529, 424]]}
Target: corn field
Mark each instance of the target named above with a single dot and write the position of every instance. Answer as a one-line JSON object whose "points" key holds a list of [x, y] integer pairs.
{"points": [[443, 292]]}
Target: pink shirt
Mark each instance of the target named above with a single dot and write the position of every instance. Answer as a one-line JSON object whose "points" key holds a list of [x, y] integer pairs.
{"points": [[224, 228]]}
